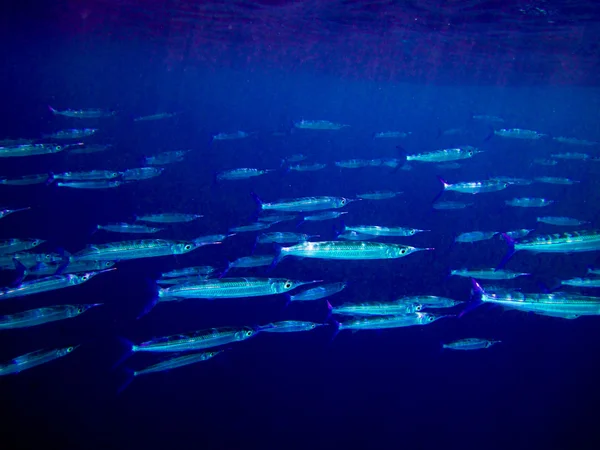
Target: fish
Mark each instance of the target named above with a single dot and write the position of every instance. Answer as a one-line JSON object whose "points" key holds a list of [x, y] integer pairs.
{"points": [[488, 274], [378, 195], [284, 237], [181, 280], [470, 344], [144, 248], [250, 261], [444, 155], [30, 150], [517, 234], [450, 205], [303, 204], [72, 133], [290, 326], [8, 212], [486, 118], [346, 250], [582, 282], [392, 134], [475, 236], [319, 125], [18, 245], [353, 163], [40, 316], [53, 268], [128, 228], [94, 113], [47, 284], [297, 157], [242, 174], [33, 359], [575, 141], [517, 133], [166, 158], [382, 322], [319, 292], [395, 308], [472, 187], [555, 180], [307, 167], [90, 175], [28, 259], [157, 116], [545, 162], [103, 184], [327, 215], [251, 227], [26, 180], [141, 173], [231, 136], [571, 155], [430, 301], [168, 218], [375, 230], [230, 288], [176, 362], [561, 221], [189, 271], [529, 202]]}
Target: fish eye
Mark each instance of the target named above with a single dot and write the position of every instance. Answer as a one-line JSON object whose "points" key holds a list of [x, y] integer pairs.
{"points": [[412, 231], [343, 202], [187, 247], [249, 333], [35, 243], [108, 264], [80, 310], [419, 307], [59, 147], [430, 319], [85, 277], [70, 349], [470, 153], [288, 284], [312, 326], [403, 251], [48, 257], [114, 174]]}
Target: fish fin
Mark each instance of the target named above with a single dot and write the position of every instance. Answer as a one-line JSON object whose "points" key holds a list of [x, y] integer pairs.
{"points": [[52, 110], [510, 252], [21, 272], [153, 300], [300, 223], [490, 135], [475, 299], [227, 269], [129, 377], [278, 257], [128, 351], [444, 186], [257, 200]]}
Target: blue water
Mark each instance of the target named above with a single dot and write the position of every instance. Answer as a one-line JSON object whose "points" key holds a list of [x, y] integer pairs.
{"points": [[394, 388]]}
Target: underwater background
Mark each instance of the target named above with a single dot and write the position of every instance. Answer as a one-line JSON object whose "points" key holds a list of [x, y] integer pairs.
{"points": [[261, 67]]}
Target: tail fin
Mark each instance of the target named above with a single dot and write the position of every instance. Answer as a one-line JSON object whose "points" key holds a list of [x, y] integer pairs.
{"points": [[476, 294], [52, 110], [154, 297], [21, 272], [511, 250], [490, 135], [257, 199], [279, 255], [129, 377], [229, 266], [444, 187], [127, 352]]}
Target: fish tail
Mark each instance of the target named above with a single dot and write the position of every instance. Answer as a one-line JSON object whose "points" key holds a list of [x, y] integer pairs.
{"points": [[444, 187], [226, 270], [128, 351], [257, 200], [155, 294], [21, 272], [490, 135], [279, 255], [475, 300], [129, 377], [509, 253], [50, 179], [52, 110]]}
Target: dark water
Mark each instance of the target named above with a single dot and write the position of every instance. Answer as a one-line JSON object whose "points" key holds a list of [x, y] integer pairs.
{"points": [[423, 67]]}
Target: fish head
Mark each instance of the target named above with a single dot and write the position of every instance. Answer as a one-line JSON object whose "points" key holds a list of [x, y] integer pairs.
{"points": [[427, 318], [288, 285], [405, 250], [472, 151], [75, 310], [245, 333], [491, 342], [413, 231], [87, 276], [184, 247], [36, 242], [67, 350]]}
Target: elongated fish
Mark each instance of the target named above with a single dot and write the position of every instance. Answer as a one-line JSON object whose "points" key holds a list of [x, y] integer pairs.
{"points": [[41, 316], [561, 221], [353, 163], [445, 155], [575, 141], [26, 180], [290, 326], [573, 242], [168, 218], [44, 269], [375, 230], [470, 344], [307, 167], [141, 173], [282, 237], [8, 212], [242, 173], [72, 133], [319, 125], [250, 261], [33, 359], [431, 301], [88, 148], [555, 180], [102, 184], [450, 205], [144, 248], [513, 180], [347, 250], [327, 215], [94, 113], [257, 226], [189, 271], [571, 155], [90, 175], [475, 236], [30, 150], [10, 246], [488, 274], [178, 361], [517, 133], [378, 195], [166, 158], [319, 292], [517, 234], [472, 187], [354, 236], [391, 135], [382, 322], [157, 116], [230, 288], [582, 282], [231, 136], [529, 202], [303, 204], [395, 308], [128, 228]]}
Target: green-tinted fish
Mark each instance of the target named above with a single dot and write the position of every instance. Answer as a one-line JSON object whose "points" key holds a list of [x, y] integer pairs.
{"points": [[157, 116], [7, 212], [28, 259], [250, 261], [382, 322], [41, 316], [307, 167], [391, 135], [378, 195], [282, 237], [327, 215], [128, 228], [103, 184], [430, 301], [197, 340], [517, 133], [33, 359], [573, 242], [10, 246], [297, 157], [374, 230], [189, 271], [555, 180], [561, 221], [470, 344], [94, 113], [290, 326], [395, 308], [303, 204], [231, 136], [141, 173], [91, 175], [179, 361], [47, 284], [347, 250], [319, 125], [488, 274], [445, 155], [144, 248], [212, 239], [26, 180], [241, 174], [582, 282], [571, 155], [168, 218], [230, 288], [72, 133], [30, 150], [319, 292], [445, 206], [473, 187], [529, 202], [475, 236]]}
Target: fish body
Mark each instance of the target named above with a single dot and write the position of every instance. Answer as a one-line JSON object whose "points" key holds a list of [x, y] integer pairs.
{"points": [[555, 180], [8, 212], [347, 250], [545, 162], [582, 282], [571, 155], [489, 119], [276, 218], [575, 141], [157, 116], [44, 269], [383, 322], [144, 248], [284, 237], [445, 155], [72, 133], [41, 316], [166, 158], [517, 133], [102, 184], [129, 228], [391, 135], [319, 125], [178, 361], [251, 261], [10, 246], [470, 344], [91, 175], [198, 340], [26, 180], [512, 180], [189, 271], [30, 150], [251, 227], [474, 187], [94, 113], [33, 359], [28, 259], [488, 274], [327, 215], [529, 202], [475, 236], [517, 234], [304, 204], [168, 218], [141, 173], [307, 167], [396, 308], [378, 195], [561, 221], [319, 292], [89, 148], [450, 205], [572, 242], [353, 163], [242, 173], [375, 230], [230, 288], [430, 301], [290, 326]]}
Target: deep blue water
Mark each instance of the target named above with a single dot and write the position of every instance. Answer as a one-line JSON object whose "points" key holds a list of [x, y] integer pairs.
{"points": [[394, 388]]}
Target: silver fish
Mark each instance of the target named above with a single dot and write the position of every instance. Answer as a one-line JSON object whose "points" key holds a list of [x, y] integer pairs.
{"points": [[189, 271], [474, 187], [141, 173], [128, 228], [378, 195], [529, 202], [307, 167], [178, 361], [104, 184], [573, 242], [382, 322], [26, 180], [144, 248], [475, 236], [284, 237], [395, 308], [319, 125], [41, 316], [319, 292], [470, 344], [33, 359], [251, 227], [445, 155], [391, 135], [290, 326], [30, 150], [166, 158], [91, 175], [582, 282], [242, 174], [72, 133], [375, 230], [94, 113], [231, 136], [303, 204], [488, 274], [327, 215], [561, 221], [18, 245], [555, 180], [168, 218], [449, 205], [517, 133], [157, 116], [7, 212]]}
